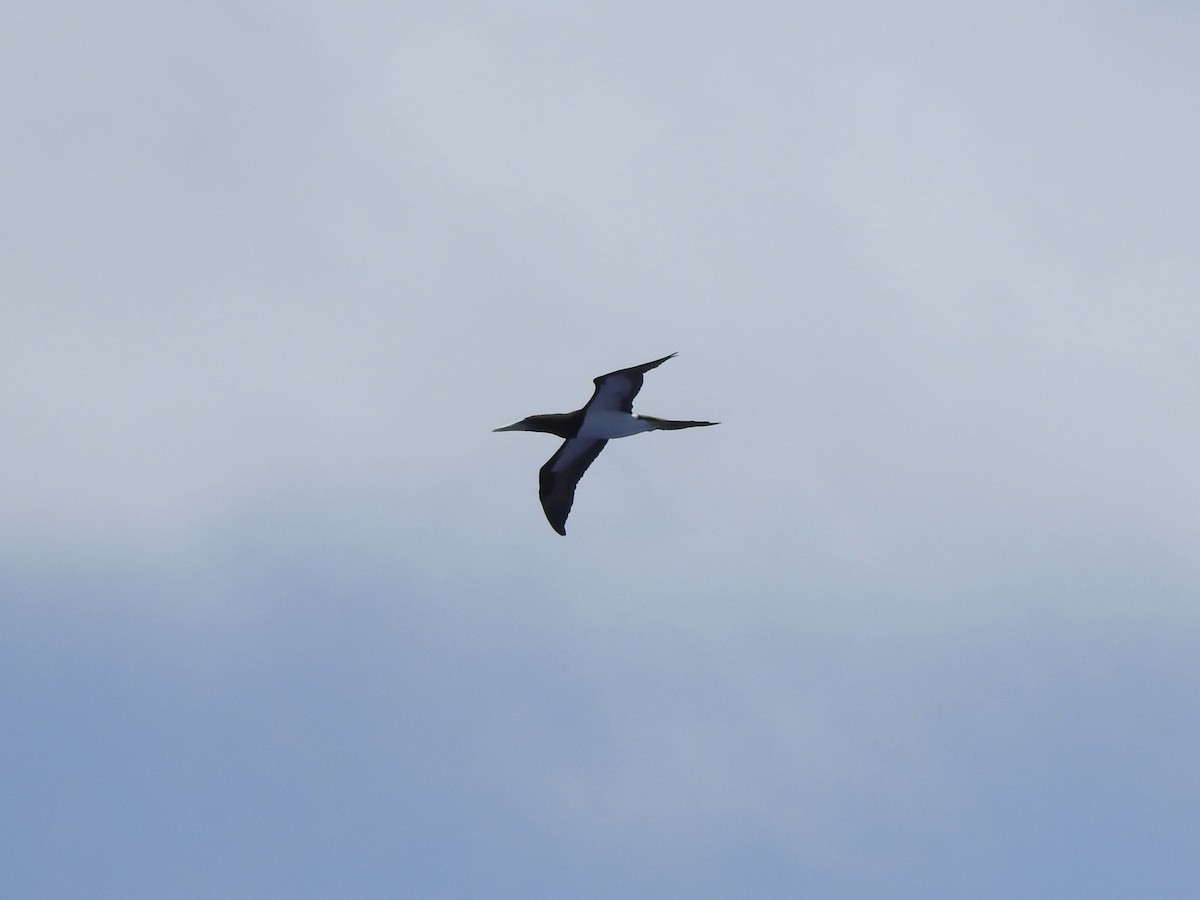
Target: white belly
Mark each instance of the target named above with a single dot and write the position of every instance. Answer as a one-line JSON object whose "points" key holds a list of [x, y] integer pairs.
{"points": [[608, 424]]}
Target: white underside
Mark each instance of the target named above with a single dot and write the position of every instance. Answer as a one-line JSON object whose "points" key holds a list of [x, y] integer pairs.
{"points": [[608, 424]]}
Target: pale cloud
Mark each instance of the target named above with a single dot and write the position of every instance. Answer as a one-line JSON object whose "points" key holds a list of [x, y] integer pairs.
{"points": [[918, 612]]}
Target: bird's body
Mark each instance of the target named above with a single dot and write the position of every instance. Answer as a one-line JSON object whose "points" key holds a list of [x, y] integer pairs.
{"points": [[607, 416]]}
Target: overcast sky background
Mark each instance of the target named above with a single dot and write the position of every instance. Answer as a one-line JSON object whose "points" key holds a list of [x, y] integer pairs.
{"points": [[281, 617]]}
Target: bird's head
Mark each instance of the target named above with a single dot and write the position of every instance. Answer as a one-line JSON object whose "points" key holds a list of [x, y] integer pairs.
{"points": [[523, 425], [562, 424]]}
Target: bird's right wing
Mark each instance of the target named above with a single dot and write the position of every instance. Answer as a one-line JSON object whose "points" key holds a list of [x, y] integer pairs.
{"points": [[559, 476]]}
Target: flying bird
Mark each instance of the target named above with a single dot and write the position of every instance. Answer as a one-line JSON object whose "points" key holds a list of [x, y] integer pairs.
{"points": [[608, 415]]}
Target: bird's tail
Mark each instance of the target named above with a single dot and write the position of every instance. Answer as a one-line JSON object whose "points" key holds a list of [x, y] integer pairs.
{"points": [[672, 424]]}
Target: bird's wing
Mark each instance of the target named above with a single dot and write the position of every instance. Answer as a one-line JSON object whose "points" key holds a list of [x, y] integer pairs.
{"points": [[616, 390], [560, 474]]}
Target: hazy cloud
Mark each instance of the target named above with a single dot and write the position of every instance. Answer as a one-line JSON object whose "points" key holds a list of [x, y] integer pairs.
{"points": [[281, 614]]}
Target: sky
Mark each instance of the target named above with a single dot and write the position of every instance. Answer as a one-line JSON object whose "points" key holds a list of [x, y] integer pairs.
{"points": [[281, 616]]}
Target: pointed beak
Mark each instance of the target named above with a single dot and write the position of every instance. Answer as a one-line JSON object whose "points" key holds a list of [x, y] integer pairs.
{"points": [[515, 426]]}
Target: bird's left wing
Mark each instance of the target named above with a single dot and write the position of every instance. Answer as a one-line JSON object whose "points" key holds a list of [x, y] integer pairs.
{"points": [[616, 390]]}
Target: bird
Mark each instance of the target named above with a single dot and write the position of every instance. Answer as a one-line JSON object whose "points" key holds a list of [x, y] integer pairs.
{"points": [[608, 415]]}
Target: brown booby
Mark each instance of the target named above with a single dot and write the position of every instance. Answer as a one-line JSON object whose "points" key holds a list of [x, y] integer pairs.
{"points": [[608, 415]]}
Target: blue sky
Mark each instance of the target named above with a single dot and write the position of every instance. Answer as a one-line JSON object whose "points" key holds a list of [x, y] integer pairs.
{"points": [[281, 616]]}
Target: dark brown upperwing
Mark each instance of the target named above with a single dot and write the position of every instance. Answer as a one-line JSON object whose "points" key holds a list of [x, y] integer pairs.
{"points": [[559, 476]]}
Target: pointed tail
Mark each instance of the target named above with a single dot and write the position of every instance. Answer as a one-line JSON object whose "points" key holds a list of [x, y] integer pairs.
{"points": [[672, 424]]}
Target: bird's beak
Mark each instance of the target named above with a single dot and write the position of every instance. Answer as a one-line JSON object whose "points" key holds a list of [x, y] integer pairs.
{"points": [[515, 426]]}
